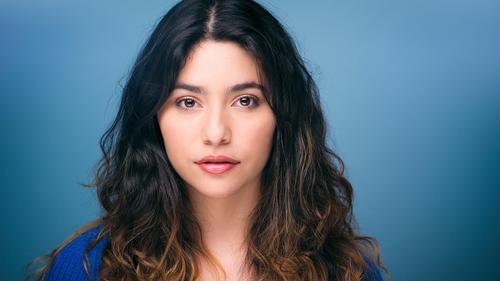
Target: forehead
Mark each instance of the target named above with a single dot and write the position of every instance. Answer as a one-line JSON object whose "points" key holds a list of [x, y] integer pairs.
{"points": [[212, 63]]}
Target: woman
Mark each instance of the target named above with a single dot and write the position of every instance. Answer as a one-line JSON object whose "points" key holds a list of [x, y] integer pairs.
{"points": [[216, 166]]}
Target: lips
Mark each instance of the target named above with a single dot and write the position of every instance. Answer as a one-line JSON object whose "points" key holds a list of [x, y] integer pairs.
{"points": [[217, 164], [217, 159]]}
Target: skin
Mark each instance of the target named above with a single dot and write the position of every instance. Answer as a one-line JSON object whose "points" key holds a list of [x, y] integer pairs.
{"points": [[213, 120]]}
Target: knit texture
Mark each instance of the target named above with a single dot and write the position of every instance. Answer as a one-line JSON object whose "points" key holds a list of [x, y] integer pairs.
{"points": [[68, 264]]}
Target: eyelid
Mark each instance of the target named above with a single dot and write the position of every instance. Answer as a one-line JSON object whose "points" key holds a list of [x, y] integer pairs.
{"points": [[181, 99], [255, 99]]}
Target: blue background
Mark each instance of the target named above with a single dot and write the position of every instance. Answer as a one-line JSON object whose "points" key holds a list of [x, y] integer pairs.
{"points": [[411, 90]]}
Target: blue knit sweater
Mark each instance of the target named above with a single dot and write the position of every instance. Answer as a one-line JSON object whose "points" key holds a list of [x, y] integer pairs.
{"points": [[68, 263]]}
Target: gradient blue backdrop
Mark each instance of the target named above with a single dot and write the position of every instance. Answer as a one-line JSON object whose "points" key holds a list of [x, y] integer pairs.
{"points": [[411, 90]]}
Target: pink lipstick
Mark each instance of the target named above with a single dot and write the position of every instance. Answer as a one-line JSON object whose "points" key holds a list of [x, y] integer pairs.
{"points": [[217, 164]]}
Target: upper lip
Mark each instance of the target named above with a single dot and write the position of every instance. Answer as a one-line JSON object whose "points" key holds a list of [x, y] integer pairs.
{"points": [[217, 159]]}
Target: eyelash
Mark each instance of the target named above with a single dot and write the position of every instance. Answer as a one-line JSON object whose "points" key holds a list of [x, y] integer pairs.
{"points": [[253, 98]]}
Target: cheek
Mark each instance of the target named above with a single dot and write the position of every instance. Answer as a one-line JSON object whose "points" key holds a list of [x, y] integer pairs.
{"points": [[257, 137], [176, 135]]}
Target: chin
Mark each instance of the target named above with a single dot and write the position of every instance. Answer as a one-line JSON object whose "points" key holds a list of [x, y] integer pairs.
{"points": [[215, 191]]}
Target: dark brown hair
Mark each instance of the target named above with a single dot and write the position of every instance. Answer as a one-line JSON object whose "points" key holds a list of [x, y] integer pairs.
{"points": [[301, 229]]}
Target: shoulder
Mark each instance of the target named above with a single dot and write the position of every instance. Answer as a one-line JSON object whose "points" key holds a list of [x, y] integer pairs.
{"points": [[373, 272], [68, 264]]}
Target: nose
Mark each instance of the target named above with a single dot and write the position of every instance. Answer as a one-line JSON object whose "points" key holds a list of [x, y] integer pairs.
{"points": [[216, 129]]}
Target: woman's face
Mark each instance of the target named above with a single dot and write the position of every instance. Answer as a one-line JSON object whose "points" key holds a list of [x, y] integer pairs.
{"points": [[217, 108]]}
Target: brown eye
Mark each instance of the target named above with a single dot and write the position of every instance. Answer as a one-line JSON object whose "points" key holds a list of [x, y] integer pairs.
{"points": [[248, 101], [186, 102]]}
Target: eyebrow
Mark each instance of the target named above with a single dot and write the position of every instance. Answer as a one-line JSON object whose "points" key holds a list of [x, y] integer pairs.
{"points": [[235, 88]]}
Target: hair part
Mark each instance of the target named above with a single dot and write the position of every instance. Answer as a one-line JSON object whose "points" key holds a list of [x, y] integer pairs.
{"points": [[301, 229]]}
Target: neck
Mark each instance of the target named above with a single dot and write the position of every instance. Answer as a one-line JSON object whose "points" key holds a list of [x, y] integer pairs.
{"points": [[224, 226], [225, 221]]}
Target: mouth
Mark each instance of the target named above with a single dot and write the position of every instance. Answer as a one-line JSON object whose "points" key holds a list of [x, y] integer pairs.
{"points": [[217, 164], [216, 167]]}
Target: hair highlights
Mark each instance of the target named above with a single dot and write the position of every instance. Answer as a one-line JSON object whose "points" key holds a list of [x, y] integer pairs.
{"points": [[302, 227]]}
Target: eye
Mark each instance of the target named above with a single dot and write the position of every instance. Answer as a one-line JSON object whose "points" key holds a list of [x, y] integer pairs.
{"points": [[185, 103], [248, 101]]}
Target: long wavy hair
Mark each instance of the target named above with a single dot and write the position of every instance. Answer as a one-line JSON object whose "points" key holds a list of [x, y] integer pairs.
{"points": [[301, 229]]}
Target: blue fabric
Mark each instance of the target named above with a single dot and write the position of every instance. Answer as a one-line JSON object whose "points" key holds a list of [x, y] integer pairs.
{"points": [[374, 273], [68, 264]]}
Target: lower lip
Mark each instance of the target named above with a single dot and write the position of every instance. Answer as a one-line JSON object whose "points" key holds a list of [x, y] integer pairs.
{"points": [[216, 168]]}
